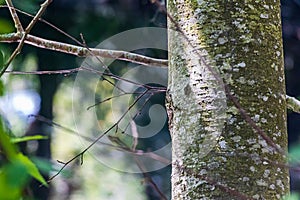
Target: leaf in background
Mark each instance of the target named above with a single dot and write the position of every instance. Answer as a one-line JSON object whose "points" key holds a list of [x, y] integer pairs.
{"points": [[116, 140], [292, 196], [47, 167], [28, 138], [43, 165], [294, 154], [121, 139], [2, 89], [6, 26], [126, 139]]}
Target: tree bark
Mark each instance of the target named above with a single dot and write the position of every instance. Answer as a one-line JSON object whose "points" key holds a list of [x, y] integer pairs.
{"points": [[217, 154]]}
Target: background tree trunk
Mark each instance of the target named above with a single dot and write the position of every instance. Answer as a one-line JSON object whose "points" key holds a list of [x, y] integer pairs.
{"points": [[216, 153]]}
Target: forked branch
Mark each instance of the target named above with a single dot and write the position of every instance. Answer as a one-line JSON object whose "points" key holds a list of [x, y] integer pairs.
{"points": [[22, 34]]}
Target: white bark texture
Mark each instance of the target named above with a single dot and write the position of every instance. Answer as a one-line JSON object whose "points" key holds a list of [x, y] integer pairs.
{"points": [[216, 153]]}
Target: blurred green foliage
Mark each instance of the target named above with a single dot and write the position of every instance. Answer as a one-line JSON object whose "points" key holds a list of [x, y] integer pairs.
{"points": [[2, 60], [6, 26], [17, 169], [292, 196], [294, 154], [31, 6], [13, 178]]}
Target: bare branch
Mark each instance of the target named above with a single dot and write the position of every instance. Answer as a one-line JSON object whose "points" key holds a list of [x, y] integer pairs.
{"points": [[24, 34], [52, 72], [37, 16], [110, 98], [293, 104], [79, 155], [14, 16], [84, 52], [13, 55], [140, 165], [77, 50], [89, 139], [50, 25], [75, 70], [149, 179]]}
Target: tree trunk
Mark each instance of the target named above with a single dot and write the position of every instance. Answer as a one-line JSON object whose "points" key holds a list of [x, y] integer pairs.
{"points": [[217, 154]]}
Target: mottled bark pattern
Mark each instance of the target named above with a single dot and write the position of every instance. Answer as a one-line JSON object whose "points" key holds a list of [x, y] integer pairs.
{"points": [[241, 41]]}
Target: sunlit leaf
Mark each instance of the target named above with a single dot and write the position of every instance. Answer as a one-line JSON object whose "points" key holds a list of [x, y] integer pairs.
{"points": [[15, 157], [1, 59], [13, 178], [28, 138], [31, 168], [9, 149]]}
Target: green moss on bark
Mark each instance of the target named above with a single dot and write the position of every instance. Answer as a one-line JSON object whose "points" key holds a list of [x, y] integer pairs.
{"points": [[243, 42]]}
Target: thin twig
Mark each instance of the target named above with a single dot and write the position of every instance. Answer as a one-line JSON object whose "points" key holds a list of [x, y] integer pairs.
{"points": [[71, 131], [113, 76], [13, 55], [46, 72], [37, 16], [110, 98], [141, 166], [66, 48], [24, 35], [149, 179], [14, 16], [49, 24], [75, 70], [139, 111], [80, 155]]}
